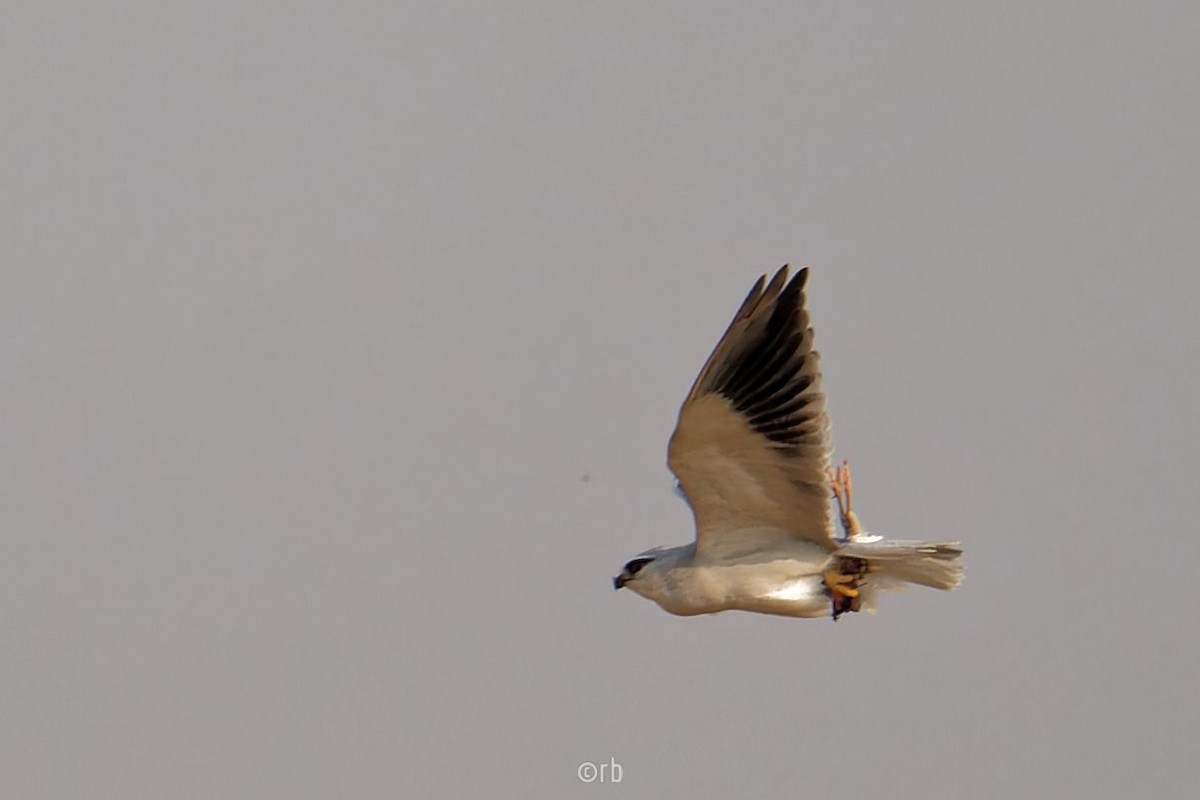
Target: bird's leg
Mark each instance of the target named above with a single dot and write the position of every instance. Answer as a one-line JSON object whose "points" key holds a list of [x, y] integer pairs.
{"points": [[843, 579], [840, 584], [842, 593], [843, 493]]}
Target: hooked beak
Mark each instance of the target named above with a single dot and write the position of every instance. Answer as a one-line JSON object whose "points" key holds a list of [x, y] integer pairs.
{"points": [[621, 580]]}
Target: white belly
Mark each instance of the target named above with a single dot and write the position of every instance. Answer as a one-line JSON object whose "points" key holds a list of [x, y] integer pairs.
{"points": [[787, 587]]}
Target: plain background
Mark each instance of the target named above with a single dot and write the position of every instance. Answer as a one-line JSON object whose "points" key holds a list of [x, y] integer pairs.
{"points": [[341, 343]]}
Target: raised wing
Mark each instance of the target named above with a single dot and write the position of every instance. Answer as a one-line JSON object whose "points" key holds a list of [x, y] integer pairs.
{"points": [[752, 443]]}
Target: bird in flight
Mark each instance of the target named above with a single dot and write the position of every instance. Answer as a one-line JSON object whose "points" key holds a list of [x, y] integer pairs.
{"points": [[751, 456]]}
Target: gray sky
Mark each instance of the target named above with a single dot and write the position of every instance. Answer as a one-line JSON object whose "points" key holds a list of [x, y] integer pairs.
{"points": [[314, 321]]}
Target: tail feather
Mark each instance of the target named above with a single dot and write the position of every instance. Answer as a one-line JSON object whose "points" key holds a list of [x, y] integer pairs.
{"points": [[933, 564]]}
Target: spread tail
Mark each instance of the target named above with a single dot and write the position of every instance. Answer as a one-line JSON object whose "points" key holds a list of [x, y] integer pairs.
{"points": [[937, 565]]}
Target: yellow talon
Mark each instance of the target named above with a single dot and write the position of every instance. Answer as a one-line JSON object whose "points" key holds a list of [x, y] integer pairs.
{"points": [[839, 584]]}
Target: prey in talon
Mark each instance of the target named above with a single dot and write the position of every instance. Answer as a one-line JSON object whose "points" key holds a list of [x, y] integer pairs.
{"points": [[844, 581]]}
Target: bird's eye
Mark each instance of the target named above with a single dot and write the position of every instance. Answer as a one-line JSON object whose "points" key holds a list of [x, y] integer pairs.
{"points": [[633, 567]]}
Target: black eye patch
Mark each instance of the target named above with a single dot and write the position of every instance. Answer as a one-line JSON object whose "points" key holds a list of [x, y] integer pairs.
{"points": [[633, 567]]}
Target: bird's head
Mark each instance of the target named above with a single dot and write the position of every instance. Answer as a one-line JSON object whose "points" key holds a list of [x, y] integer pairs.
{"points": [[644, 571], [631, 570]]}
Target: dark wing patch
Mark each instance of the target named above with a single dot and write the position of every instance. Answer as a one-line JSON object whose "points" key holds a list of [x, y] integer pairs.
{"points": [[773, 378]]}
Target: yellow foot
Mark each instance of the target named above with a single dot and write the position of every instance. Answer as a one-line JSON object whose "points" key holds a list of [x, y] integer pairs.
{"points": [[844, 582], [843, 493], [841, 585]]}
